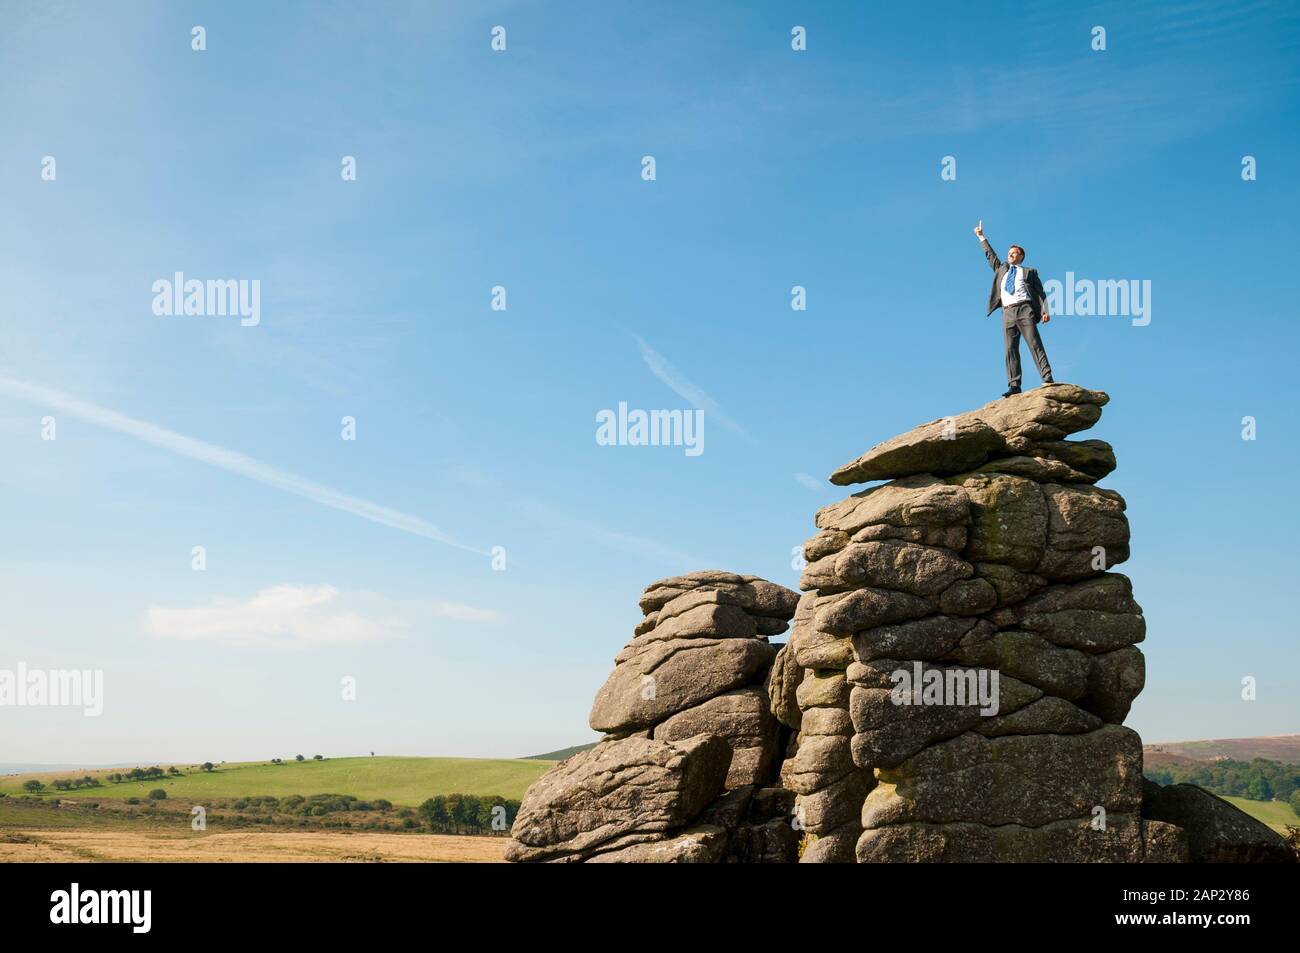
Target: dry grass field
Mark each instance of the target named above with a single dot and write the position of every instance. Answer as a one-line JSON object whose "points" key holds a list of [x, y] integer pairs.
{"points": [[34, 831], [156, 846]]}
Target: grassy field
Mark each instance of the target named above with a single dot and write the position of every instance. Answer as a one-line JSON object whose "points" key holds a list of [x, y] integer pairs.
{"points": [[16, 814], [1276, 814], [34, 830], [137, 844], [404, 781]]}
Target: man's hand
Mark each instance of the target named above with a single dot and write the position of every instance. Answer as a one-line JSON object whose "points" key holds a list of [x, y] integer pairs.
{"points": [[979, 230], [1046, 317]]}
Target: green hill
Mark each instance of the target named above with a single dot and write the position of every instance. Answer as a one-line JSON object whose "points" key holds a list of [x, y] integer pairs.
{"points": [[404, 781], [562, 753], [1276, 814]]}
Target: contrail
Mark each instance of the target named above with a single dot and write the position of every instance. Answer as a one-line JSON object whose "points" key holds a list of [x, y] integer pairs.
{"points": [[685, 388], [229, 460]]}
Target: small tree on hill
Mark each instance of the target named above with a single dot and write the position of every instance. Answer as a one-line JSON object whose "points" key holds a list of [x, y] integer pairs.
{"points": [[33, 786], [299, 757], [207, 765], [157, 794]]}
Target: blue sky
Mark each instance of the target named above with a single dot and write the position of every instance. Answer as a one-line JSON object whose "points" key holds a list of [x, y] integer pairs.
{"points": [[476, 428]]}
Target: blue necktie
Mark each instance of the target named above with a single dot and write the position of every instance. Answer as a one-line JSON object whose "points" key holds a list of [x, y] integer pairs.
{"points": [[1011, 280]]}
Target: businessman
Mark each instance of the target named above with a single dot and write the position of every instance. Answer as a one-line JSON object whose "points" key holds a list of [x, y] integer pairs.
{"points": [[1019, 293]]}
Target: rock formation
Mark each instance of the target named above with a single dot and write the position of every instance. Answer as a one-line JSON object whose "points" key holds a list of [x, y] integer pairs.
{"points": [[687, 769], [967, 656], [954, 688]]}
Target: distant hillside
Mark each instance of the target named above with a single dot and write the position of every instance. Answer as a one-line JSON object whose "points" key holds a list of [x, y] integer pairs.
{"points": [[562, 753], [29, 768], [1163, 759], [404, 781], [1285, 748]]}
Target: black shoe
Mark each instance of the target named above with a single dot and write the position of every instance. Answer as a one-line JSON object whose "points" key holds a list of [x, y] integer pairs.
{"points": [[1011, 390]]}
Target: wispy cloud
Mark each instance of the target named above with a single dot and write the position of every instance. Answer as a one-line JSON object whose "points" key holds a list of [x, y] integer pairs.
{"points": [[295, 615], [229, 460], [289, 615], [685, 388], [810, 481], [557, 519]]}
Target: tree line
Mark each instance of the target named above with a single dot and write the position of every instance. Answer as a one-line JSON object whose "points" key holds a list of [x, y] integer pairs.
{"points": [[469, 814], [1258, 779]]}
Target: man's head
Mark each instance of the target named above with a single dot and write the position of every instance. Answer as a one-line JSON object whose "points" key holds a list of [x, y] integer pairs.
{"points": [[1015, 255]]}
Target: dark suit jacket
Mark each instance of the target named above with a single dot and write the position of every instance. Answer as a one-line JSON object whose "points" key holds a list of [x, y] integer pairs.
{"points": [[1032, 283]]}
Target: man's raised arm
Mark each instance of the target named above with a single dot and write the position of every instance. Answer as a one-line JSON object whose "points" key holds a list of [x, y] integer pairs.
{"points": [[994, 261]]}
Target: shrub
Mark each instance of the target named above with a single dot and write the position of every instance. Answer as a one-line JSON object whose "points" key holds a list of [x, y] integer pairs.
{"points": [[157, 794], [132, 800]]}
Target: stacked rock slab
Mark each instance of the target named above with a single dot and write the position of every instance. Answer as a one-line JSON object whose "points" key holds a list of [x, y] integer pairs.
{"points": [[983, 562], [687, 769]]}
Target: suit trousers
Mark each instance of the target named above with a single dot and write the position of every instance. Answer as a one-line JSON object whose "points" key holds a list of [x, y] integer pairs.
{"points": [[1019, 321]]}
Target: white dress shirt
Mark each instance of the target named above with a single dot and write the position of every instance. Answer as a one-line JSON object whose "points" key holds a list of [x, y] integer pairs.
{"points": [[1020, 294]]}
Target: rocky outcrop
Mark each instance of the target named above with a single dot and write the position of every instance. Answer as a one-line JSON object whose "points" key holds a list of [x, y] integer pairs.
{"points": [[966, 656], [954, 687], [1217, 832], [621, 792], [687, 772], [1026, 427]]}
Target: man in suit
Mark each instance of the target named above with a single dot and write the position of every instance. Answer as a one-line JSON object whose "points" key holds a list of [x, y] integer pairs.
{"points": [[1019, 293]]}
